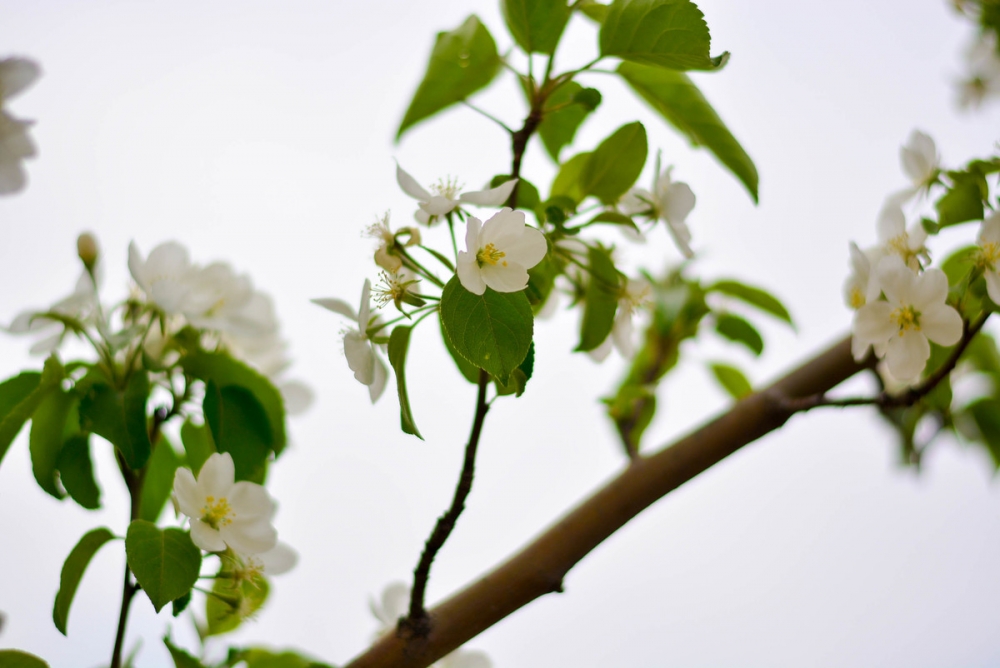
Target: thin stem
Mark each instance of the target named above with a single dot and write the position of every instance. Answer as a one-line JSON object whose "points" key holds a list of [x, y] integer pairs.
{"points": [[487, 115], [419, 268], [418, 621]]}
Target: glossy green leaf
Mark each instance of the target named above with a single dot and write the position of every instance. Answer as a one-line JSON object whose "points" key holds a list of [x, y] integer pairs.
{"points": [[120, 417], [738, 330], [492, 330], [240, 427], [520, 376], [675, 97], [664, 33], [198, 444], [615, 164], [536, 25], [562, 117], [158, 482], [233, 601], [15, 658], [731, 379], [399, 344], [964, 199], [468, 370], [600, 300], [462, 62], [76, 472], [756, 297], [72, 572], [45, 441], [225, 370], [21, 395], [568, 180], [164, 561], [181, 658]]}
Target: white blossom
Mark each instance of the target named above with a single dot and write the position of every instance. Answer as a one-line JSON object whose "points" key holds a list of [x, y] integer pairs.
{"points": [[387, 240], [16, 74], [278, 560], [164, 276], [982, 79], [896, 239], [361, 352], [989, 255], [444, 197], [223, 512], [920, 160], [669, 201], [861, 286], [80, 305], [913, 313], [635, 295], [499, 253]]}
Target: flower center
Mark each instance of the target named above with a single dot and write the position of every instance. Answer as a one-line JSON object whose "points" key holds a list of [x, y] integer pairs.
{"points": [[447, 188], [906, 318], [857, 298], [990, 254], [217, 512], [490, 255]]}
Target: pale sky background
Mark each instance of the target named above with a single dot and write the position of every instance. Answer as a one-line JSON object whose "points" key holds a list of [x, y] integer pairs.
{"points": [[261, 133]]}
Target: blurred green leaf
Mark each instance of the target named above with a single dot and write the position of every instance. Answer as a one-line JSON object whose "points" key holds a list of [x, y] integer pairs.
{"points": [[72, 572], [120, 418], [240, 427], [76, 471], [664, 33], [564, 113], [964, 199], [14, 658], [21, 395], [756, 297], [399, 344], [181, 658], [45, 441], [738, 330], [568, 180], [158, 482], [198, 444], [731, 379], [600, 300], [536, 25]]}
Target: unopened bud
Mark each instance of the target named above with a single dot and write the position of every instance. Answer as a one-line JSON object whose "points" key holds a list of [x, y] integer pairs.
{"points": [[86, 248]]}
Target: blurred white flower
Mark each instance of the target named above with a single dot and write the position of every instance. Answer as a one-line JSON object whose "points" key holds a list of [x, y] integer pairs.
{"points": [[278, 560], [989, 255], [224, 512], [499, 253], [920, 160], [445, 197], [16, 74], [361, 352], [165, 276], [915, 312], [982, 80], [896, 239], [635, 295], [861, 286], [80, 305], [669, 201]]}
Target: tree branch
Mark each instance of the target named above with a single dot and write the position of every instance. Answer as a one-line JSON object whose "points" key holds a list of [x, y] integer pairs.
{"points": [[540, 566]]}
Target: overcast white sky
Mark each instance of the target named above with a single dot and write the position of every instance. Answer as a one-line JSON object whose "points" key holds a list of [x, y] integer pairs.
{"points": [[260, 133]]}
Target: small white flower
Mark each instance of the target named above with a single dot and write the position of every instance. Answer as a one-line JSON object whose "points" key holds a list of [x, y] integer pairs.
{"points": [[499, 253], [989, 255], [670, 201], [16, 74], [861, 286], [361, 352], [915, 312], [224, 512], [278, 560], [983, 72], [895, 239], [164, 276], [635, 295], [920, 160], [445, 197], [81, 305]]}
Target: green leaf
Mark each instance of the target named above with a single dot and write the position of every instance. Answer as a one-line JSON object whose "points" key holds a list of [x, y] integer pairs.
{"points": [[468, 370], [72, 572], [492, 330], [263, 658], [45, 441], [120, 417], [76, 471], [536, 25], [198, 444], [568, 181], [562, 117], [738, 330], [594, 11], [731, 379], [600, 300], [520, 376], [181, 658], [541, 281], [615, 165], [165, 562], [159, 479], [613, 218], [755, 297], [14, 658], [957, 265], [240, 427], [399, 343], [21, 395], [675, 97], [463, 61], [527, 194], [233, 600], [225, 370], [963, 201], [179, 605], [664, 33]]}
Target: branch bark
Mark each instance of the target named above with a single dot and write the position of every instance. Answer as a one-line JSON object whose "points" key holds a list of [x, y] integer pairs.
{"points": [[539, 567]]}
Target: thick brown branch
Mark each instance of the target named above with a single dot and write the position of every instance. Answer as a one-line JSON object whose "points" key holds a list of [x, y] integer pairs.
{"points": [[539, 567]]}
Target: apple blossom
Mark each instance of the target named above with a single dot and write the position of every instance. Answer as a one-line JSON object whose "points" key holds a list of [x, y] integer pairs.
{"points": [[635, 295], [164, 275], [446, 197], [80, 305], [670, 201], [361, 352], [896, 239], [989, 255], [16, 74], [499, 253], [861, 286], [384, 255], [913, 313], [920, 160], [223, 512]]}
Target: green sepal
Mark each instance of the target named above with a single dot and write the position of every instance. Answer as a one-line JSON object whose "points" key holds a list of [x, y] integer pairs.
{"points": [[164, 561], [72, 572], [399, 344], [664, 33], [600, 301], [462, 62]]}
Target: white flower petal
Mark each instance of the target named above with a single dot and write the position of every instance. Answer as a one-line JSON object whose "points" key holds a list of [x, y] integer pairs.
{"points": [[205, 537], [891, 222], [297, 395], [186, 492], [682, 237], [492, 197], [873, 323], [250, 501], [993, 285], [380, 377], [16, 74], [360, 357], [217, 475], [941, 324], [601, 352], [907, 355], [249, 537], [929, 288], [989, 231], [279, 559], [439, 205], [337, 306], [469, 274], [896, 279], [364, 311], [410, 185], [678, 202], [529, 249], [509, 278]]}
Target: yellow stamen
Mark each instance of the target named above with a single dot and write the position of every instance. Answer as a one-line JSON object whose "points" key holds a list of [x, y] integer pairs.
{"points": [[490, 255], [989, 254], [906, 318], [217, 512], [857, 298]]}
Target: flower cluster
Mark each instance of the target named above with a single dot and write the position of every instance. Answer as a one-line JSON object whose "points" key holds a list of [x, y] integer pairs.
{"points": [[16, 74]]}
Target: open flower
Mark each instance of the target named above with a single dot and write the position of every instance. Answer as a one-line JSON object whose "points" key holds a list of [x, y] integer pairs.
{"points": [[861, 286], [361, 352], [445, 197], [669, 201], [164, 275], [16, 74], [225, 513], [385, 255], [915, 312], [499, 253], [989, 255], [635, 295], [896, 239]]}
